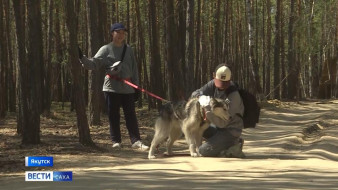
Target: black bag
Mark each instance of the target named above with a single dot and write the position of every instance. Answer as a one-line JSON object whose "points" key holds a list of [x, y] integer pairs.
{"points": [[137, 93], [116, 67], [251, 107]]}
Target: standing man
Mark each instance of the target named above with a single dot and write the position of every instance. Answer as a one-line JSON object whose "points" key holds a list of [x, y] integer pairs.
{"points": [[118, 94]]}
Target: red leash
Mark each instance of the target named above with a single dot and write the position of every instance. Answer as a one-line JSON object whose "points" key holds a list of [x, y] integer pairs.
{"points": [[143, 90], [137, 87]]}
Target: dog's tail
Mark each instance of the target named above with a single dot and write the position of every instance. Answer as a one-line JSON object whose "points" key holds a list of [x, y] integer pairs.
{"points": [[193, 108]]}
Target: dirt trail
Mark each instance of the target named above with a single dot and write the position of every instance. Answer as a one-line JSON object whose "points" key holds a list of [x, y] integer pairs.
{"points": [[295, 146]]}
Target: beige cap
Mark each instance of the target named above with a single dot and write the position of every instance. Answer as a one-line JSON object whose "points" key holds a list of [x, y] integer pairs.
{"points": [[223, 73]]}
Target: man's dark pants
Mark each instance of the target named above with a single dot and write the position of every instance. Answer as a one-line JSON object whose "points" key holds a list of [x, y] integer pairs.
{"points": [[217, 140], [114, 101]]}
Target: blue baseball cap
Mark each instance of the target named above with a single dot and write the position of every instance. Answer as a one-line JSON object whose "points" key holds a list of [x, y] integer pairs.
{"points": [[117, 26]]}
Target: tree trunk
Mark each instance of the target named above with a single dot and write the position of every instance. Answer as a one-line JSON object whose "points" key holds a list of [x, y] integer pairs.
{"points": [[301, 89], [226, 32], [293, 71], [253, 66], [35, 50], [102, 32], [217, 36], [197, 74], [77, 86], [335, 49], [189, 63], [31, 80], [313, 71], [49, 69], [57, 68], [11, 83], [239, 50], [103, 21], [141, 50], [263, 50], [114, 11], [128, 18], [19, 13], [179, 65], [94, 81], [180, 12], [4, 63], [268, 49], [282, 54], [276, 69], [230, 40], [203, 49], [155, 59], [171, 45]]}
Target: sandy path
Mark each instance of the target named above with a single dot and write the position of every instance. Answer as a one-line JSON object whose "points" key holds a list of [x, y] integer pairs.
{"points": [[293, 147]]}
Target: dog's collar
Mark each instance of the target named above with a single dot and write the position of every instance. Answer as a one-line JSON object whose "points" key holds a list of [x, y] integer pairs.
{"points": [[204, 114]]}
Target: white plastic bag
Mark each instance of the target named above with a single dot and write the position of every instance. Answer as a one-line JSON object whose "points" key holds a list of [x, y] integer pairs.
{"points": [[115, 68], [204, 100]]}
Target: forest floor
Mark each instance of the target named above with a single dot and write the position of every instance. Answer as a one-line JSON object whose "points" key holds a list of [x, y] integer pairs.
{"points": [[295, 146]]}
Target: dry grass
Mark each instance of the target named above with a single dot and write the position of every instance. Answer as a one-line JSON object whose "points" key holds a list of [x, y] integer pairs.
{"points": [[59, 135]]}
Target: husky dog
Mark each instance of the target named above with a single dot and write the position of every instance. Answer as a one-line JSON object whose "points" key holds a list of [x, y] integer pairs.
{"points": [[168, 125], [187, 117], [196, 123]]}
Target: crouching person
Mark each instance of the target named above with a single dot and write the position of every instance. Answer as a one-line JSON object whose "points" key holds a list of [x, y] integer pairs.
{"points": [[223, 137]]}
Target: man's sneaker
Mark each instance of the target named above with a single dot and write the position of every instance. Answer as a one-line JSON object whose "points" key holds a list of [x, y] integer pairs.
{"points": [[140, 145], [235, 151], [117, 145]]}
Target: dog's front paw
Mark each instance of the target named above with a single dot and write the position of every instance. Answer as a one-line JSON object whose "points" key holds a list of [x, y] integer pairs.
{"points": [[151, 154], [170, 153], [150, 157], [194, 154], [192, 149]]}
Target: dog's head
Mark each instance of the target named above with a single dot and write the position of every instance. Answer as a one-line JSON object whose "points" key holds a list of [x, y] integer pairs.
{"points": [[220, 107], [219, 103]]}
